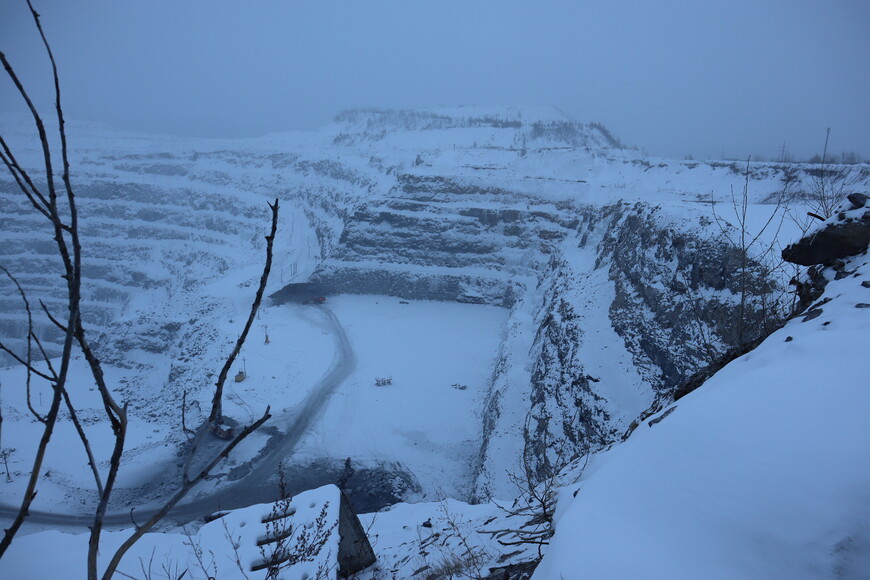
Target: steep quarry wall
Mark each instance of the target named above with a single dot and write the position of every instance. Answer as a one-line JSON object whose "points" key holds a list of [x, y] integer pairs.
{"points": [[672, 294], [160, 221], [671, 284], [436, 238]]}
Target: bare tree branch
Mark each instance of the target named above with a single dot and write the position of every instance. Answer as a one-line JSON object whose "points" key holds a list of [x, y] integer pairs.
{"points": [[29, 367], [45, 358], [185, 488], [217, 402], [51, 317], [114, 465], [23, 180], [91, 461], [40, 127], [29, 362], [73, 279], [30, 491], [66, 236]]}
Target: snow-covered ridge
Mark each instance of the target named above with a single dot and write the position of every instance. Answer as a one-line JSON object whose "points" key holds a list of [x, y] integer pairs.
{"points": [[511, 127]]}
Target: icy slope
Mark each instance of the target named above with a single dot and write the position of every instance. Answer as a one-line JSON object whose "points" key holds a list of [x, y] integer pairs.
{"points": [[763, 472]]}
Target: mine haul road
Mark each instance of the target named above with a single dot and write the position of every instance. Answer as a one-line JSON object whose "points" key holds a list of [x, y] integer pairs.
{"points": [[259, 485]]}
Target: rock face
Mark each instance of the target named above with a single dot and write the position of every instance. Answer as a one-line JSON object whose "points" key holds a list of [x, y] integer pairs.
{"points": [[568, 414], [679, 290], [673, 300], [437, 238], [847, 234]]}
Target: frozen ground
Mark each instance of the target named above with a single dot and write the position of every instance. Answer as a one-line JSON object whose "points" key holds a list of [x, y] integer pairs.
{"points": [[439, 356], [279, 374], [422, 420]]}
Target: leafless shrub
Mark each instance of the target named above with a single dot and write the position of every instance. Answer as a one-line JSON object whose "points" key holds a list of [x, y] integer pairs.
{"points": [[535, 505], [235, 543], [470, 559], [209, 569], [826, 193], [285, 545], [759, 260]]}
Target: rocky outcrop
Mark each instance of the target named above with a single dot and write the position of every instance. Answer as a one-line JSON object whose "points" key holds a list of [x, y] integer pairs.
{"points": [[675, 287], [684, 294], [438, 238], [824, 248], [568, 415], [847, 233]]}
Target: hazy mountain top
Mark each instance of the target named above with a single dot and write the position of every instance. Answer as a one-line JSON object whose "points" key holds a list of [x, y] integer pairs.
{"points": [[528, 123]]}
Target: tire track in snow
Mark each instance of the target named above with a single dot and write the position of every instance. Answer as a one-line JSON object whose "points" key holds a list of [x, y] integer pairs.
{"points": [[253, 488]]}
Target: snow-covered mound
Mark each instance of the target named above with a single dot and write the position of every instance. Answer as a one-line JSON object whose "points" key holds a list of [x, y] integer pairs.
{"points": [[231, 546], [763, 472]]}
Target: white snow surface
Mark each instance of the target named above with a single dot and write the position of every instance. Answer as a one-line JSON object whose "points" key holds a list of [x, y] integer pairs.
{"points": [[763, 472], [439, 356], [223, 548]]}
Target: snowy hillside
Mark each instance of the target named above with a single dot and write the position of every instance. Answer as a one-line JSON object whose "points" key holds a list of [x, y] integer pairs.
{"points": [[761, 473]]}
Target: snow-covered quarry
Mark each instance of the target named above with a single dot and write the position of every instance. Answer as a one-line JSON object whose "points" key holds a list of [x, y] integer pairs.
{"points": [[466, 306]]}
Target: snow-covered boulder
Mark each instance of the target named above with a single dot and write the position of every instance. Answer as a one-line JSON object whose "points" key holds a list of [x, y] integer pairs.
{"points": [[846, 233]]}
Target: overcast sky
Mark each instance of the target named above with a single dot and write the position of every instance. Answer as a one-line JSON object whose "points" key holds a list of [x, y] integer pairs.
{"points": [[672, 77]]}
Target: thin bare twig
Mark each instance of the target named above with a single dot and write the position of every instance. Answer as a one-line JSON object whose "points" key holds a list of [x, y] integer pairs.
{"points": [[45, 358], [51, 317], [234, 542], [22, 179], [24, 363], [72, 275], [216, 414], [29, 363], [185, 488], [91, 461], [66, 237]]}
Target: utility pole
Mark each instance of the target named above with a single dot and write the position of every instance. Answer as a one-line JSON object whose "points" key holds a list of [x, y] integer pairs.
{"points": [[825, 152]]}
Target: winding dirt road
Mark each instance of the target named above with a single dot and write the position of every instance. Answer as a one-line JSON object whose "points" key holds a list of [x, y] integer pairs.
{"points": [[258, 486]]}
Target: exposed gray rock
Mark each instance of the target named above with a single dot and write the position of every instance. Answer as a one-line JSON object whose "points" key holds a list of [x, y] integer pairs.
{"points": [[567, 415], [674, 308], [858, 200], [674, 303], [662, 417], [812, 314], [846, 235], [518, 571]]}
